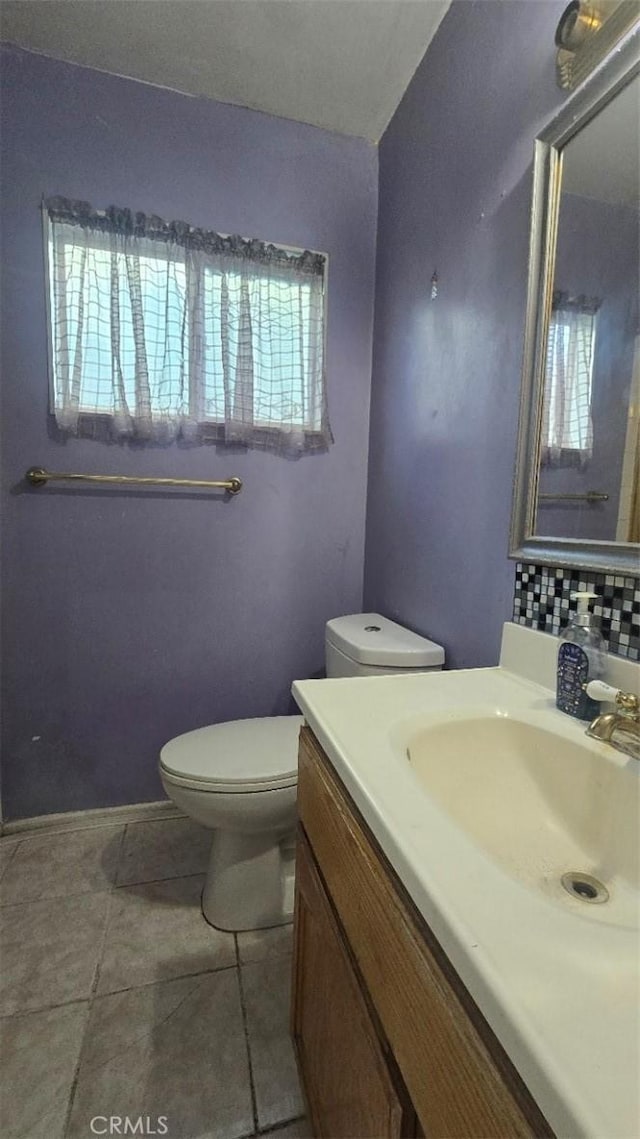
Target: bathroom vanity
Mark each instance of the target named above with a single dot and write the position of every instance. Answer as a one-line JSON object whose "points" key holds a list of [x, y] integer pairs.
{"points": [[389, 1041], [444, 982]]}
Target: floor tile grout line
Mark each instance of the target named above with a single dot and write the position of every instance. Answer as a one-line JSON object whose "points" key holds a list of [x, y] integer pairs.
{"points": [[24, 838], [116, 871], [166, 980], [92, 995], [76, 1073], [107, 923], [115, 992], [10, 859], [43, 1008], [153, 881], [54, 898], [107, 889], [245, 1025], [274, 1128]]}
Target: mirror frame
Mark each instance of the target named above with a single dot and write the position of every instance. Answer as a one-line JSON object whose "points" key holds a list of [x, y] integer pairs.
{"points": [[614, 73]]}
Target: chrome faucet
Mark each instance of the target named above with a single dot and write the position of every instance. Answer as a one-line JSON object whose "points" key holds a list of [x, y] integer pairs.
{"points": [[620, 729]]}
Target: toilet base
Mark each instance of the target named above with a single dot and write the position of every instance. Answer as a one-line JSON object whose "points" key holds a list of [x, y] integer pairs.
{"points": [[250, 879]]}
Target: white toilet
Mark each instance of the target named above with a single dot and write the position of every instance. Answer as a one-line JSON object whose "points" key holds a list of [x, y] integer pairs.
{"points": [[240, 778]]}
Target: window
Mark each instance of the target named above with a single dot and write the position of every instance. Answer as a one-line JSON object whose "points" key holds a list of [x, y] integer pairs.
{"points": [[567, 430], [159, 330]]}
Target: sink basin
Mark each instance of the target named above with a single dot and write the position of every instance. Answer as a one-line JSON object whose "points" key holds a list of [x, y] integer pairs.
{"points": [[541, 803]]}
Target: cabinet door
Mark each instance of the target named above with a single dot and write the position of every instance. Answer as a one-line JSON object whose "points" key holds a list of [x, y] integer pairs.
{"points": [[347, 1077]]}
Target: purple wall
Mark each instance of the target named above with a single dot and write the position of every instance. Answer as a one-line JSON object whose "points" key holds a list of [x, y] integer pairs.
{"points": [[598, 254], [454, 195], [133, 617]]}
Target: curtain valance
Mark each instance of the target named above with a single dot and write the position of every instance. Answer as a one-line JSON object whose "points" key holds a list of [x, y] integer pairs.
{"points": [[566, 302], [124, 222]]}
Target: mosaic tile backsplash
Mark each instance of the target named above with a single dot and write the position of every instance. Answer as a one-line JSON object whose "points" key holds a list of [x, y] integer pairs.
{"points": [[543, 601]]}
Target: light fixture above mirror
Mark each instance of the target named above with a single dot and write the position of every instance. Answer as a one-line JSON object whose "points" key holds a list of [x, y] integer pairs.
{"points": [[587, 31]]}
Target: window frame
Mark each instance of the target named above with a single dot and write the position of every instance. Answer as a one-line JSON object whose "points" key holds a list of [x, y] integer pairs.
{"points": [[104, 417]]}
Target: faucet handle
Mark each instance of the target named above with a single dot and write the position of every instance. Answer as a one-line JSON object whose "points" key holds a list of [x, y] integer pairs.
{"points": [[626, 702], [629, 705], [598, 690]]}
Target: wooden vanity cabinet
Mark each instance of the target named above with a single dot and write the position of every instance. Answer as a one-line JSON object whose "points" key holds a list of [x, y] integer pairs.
{"points": [[388, 1040], [349, 1081]]}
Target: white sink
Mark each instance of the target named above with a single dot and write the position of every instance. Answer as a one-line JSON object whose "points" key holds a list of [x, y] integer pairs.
{"points": [[539, 803]]}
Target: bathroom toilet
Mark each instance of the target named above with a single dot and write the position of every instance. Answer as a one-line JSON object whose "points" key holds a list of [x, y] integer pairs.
{"points": [[240, 778]]}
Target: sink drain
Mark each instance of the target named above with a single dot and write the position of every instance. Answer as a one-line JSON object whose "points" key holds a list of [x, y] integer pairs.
{"points": [[584, 887]]}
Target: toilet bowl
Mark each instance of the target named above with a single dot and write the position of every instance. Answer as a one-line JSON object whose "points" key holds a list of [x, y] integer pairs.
{"points": [[240, 778]]}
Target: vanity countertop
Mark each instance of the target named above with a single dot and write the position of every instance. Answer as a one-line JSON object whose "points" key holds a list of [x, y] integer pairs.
{"points": [[559, 989]]}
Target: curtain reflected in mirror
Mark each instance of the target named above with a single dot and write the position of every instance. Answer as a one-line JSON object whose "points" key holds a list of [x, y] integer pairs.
{"points": [[589, 446]]}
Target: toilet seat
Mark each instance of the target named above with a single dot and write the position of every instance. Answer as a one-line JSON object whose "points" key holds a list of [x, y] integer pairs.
{"points": [[236, 757]]}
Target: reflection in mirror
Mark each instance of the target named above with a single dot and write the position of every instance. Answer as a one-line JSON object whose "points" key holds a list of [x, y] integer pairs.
{"points": [[589, 449]]}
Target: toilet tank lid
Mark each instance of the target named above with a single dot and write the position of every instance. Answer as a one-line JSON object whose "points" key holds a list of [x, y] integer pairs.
{"points": [[369, 638]]}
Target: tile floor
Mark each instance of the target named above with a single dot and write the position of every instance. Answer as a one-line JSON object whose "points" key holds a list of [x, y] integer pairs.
{"points": [[117, 998]]}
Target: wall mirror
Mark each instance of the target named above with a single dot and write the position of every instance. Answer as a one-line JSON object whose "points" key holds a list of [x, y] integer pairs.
{"points": [[577, 492]]}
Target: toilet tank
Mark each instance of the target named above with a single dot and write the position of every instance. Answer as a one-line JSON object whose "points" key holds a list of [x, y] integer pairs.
{"points": [[367, 644]]}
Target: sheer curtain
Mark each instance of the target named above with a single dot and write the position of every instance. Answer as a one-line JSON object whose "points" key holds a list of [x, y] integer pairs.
{"points": [[567, 426], [159, 330]]}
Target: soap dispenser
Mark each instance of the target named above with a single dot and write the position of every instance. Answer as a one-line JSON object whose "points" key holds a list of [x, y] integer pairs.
{"points": [[580, 659]]}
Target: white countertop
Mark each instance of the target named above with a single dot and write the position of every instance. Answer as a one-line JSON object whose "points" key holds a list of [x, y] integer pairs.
{"points": [[559, 990]]}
